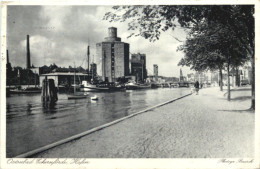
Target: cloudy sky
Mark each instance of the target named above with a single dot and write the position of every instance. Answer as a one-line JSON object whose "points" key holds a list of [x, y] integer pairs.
{"points": [[61, 34]]}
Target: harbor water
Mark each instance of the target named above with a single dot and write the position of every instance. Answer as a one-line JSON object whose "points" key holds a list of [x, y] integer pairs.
{"points": [[30, 125]]}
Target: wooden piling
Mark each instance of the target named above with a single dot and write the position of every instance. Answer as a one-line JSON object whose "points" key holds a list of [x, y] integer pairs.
{"points": [[49, 92]]}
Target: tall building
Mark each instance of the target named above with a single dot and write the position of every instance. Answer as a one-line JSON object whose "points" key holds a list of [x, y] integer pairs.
{"points": [[93, 69], [138, 67], [155, 71], [181, 76], [112, 57]]}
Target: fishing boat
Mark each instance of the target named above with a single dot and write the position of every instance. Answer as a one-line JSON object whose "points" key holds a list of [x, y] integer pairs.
{"points": [[134, 86]]}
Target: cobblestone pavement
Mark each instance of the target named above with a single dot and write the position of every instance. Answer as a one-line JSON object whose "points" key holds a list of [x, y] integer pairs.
{"points": [[197, 126]]}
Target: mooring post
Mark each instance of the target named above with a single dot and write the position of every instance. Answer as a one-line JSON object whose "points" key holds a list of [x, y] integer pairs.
{"points": [[49, 92]]}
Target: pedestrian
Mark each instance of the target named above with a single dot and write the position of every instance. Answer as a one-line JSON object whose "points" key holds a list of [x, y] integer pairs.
{"points": [[197, 85]]}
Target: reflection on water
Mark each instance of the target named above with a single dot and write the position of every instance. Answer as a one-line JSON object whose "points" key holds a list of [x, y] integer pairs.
{"points": [[31, 124]]}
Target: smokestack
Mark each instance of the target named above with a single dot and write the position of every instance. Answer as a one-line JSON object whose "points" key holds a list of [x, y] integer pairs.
{"points": [[7, 57], [28, 59]]}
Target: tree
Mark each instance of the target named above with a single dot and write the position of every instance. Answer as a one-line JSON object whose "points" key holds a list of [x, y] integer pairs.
{"points": [[151, 21], [209, 48]]}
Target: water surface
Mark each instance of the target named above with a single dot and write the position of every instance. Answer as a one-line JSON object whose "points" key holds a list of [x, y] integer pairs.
{"points": [[30, 125]]}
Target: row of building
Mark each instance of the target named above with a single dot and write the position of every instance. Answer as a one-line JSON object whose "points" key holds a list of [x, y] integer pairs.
{"points": [[113, 62], [241, 75]]}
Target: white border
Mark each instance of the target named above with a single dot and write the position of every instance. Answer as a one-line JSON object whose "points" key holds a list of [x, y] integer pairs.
{"points": [[131, 163]]}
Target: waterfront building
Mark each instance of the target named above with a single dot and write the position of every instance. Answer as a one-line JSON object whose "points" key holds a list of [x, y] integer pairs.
{"points": [[181, 76], [200, 77], [138, 67], [190, 77], [246, 73], [62, 79], [214, 78], [155, 71], [113, 57], [93, 69]]}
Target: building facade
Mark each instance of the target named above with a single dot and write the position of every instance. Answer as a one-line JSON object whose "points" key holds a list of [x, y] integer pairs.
{"points": [[155, 71], [113, 57], [93, 69], [190, 77], [181, 76], [138, 67]]}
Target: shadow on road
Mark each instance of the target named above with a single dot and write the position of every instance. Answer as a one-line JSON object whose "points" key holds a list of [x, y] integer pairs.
{"points": [[241, 98], [241, 89], [239, 111]]}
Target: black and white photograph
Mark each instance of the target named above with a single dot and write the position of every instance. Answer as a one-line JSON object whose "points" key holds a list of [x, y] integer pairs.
{"points": [[129, 81]]}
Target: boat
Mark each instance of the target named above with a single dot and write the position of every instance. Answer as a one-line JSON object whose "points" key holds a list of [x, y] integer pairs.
{"points": [[101, 87], [134, 86], [91, 87], [94, 98], [25, 91], [76, 95]]}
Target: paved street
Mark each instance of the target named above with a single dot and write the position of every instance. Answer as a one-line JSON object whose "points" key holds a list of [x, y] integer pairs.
{"points": [[197, 126]]}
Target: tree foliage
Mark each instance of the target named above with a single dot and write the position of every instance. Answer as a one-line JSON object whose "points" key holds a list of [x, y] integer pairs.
{"points": [[151, 20]]}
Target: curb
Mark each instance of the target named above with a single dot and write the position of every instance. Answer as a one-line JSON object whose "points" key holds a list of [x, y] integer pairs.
{"points": [[77, 136]]}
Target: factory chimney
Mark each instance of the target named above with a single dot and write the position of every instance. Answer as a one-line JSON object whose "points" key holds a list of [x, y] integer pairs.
{"points": [[8, 64], [7, 57], [28, 59]]}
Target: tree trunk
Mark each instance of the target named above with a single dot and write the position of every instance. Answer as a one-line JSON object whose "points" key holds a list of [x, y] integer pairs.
{"points": [[253, 81], [237, 77], [228, 96], [221, 79]]}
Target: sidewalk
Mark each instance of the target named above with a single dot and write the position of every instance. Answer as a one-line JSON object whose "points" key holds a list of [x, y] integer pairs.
{"points": [[197, 126]]}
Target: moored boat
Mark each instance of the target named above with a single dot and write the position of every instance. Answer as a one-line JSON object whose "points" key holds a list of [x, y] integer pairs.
{"points": [[134, 86], [94, 98], [75, 96], [25, 91], [88, 87], [101, 87]]}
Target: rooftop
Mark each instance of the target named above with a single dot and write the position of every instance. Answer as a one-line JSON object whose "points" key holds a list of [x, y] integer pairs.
{"points": [[64, 74]]}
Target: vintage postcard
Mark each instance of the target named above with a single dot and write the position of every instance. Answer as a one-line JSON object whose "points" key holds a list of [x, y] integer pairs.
{"points": [[130, 84]]}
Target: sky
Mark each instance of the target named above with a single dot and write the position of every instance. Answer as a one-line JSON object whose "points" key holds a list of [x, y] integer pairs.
{"points": [[61, 34]]}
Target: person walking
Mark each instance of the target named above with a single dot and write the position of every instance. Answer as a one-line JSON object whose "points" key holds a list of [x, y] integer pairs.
{"points": [[197, 85]]}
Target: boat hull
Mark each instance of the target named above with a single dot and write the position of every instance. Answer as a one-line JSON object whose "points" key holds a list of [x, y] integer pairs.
{"points": [[136, 87], [76, 97], [94, 89], [24, 91]]}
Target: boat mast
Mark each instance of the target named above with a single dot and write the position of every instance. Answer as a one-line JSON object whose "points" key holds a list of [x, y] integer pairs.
{"points": [[88, 60], [104, 66], [93, 68], [74, 78], [35, 78]]}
